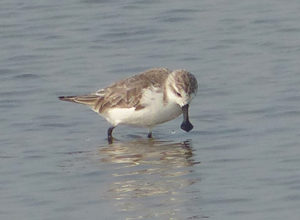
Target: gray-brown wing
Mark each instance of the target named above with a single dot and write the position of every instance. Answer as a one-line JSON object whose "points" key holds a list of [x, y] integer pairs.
{"points": [[127, 93], [90, 100]]}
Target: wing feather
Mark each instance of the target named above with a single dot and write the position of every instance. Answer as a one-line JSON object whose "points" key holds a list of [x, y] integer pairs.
{"points": [[127, 93]]}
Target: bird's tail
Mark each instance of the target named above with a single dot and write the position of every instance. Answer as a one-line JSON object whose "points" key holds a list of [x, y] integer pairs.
{"points": [[90, 100]]}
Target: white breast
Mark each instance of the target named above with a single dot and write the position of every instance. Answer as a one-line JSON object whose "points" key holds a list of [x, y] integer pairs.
{"points": [[155, 112]]}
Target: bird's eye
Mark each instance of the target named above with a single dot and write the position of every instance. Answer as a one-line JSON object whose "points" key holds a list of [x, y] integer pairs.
{"points": [[178, 94]]}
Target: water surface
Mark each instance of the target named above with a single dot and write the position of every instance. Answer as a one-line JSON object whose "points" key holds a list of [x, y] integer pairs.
{"points": [[241, 160]]}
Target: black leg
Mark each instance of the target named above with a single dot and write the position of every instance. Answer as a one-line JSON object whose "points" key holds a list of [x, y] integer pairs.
{"points": [[109, 134], [150, 132]]}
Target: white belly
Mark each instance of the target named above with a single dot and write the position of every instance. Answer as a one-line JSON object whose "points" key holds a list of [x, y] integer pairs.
{"points": [[155, 112]]}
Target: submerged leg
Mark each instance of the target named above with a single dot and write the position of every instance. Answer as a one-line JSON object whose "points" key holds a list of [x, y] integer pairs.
{"points": [[109, 134], [150, 133]]}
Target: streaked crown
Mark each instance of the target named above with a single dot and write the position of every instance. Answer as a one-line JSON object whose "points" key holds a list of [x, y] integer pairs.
{"points": [[182, 86]]}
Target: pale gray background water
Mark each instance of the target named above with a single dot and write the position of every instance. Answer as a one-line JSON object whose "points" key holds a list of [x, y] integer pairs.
{"points": [[242, 159]]}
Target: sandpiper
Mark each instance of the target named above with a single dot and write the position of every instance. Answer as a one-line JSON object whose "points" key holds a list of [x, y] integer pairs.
{"points": [[144, 100]]}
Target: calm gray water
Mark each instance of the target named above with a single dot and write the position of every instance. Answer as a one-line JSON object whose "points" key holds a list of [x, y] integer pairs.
{"points": [[242, 159]]}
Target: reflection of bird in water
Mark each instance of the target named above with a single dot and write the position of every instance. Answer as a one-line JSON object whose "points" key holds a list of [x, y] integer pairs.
{"points": [[145, 151], [150, 175]]}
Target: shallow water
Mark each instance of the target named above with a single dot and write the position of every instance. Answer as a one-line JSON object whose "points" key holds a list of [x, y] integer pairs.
{"points": [[241, 160]]}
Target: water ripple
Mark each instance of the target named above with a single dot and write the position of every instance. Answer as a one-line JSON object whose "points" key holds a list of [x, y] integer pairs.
{"points": [[149, 169]]}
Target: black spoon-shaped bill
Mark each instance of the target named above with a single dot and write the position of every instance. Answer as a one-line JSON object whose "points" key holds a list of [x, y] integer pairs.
{"points": [[186, 124]]}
